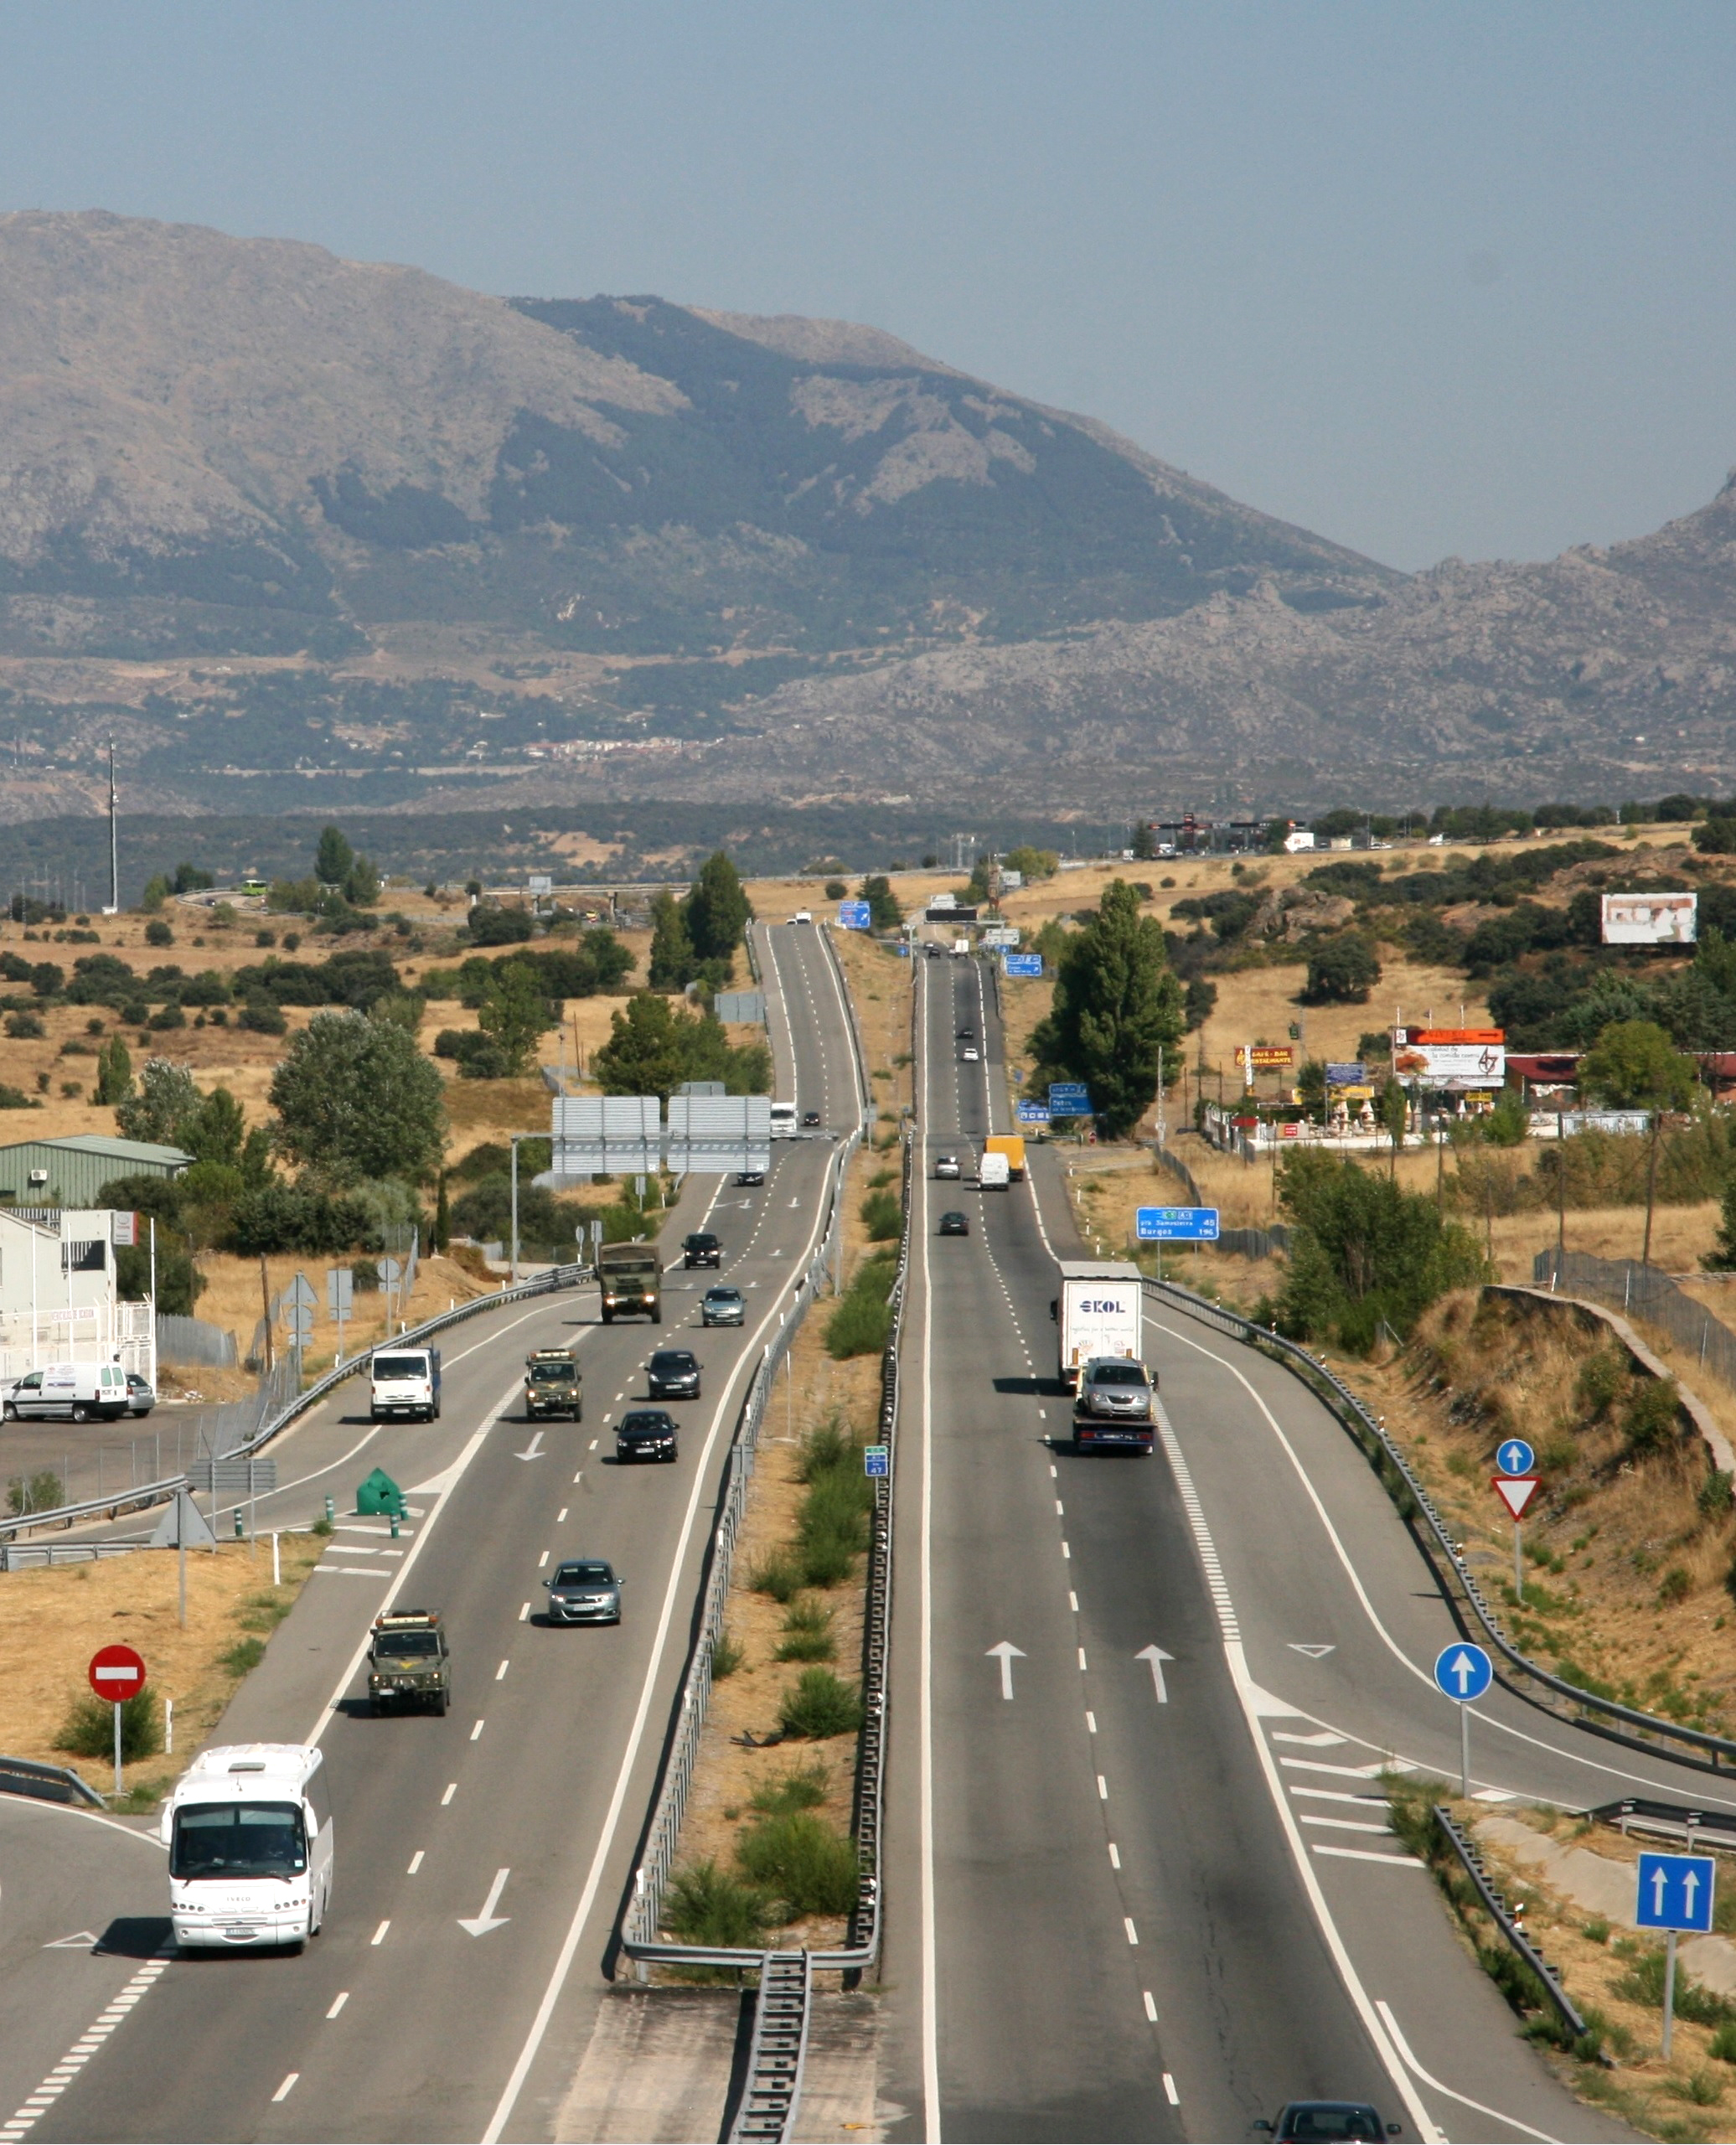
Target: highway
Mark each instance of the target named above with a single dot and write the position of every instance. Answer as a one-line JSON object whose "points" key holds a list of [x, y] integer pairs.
{"points": [[521, 1810], [1156, 1899]]}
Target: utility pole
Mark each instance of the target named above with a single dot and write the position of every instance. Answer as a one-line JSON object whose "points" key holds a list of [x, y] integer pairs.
{"points": [[114, 906]]}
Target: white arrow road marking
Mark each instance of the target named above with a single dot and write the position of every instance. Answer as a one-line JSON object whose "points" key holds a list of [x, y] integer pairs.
{"points": [[1006, 1653], [532, 1452], [1156, 1655], [487, 1919]]}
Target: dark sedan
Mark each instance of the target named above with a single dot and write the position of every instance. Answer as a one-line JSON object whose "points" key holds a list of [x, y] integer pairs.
{"points": [[810, 1117], [673, 1374], [952, 1223], [647, 1434], [584, 1593], [702, 1249], [1323, 2120]]}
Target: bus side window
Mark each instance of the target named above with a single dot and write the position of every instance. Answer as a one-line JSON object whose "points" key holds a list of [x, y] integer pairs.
{"points": [[318, 1802]]}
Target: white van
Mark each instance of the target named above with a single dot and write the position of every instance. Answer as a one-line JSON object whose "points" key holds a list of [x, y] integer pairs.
{"points": [[249, 1833], [404, 1381], [993, 1172], [784, 1125], [76, 1392]]}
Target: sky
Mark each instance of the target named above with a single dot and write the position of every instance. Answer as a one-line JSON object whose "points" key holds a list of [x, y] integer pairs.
{"points": [[1429, 280]]}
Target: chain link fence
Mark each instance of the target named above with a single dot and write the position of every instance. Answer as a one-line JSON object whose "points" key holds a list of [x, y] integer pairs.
{"points": [[1648, 1293]]}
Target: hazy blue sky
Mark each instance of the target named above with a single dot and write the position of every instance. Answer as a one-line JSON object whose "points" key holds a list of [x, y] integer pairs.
{"points": [[1428, 279]]}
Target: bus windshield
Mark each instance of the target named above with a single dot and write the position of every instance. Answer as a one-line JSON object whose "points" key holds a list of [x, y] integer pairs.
{"points": [[238, 1839]]}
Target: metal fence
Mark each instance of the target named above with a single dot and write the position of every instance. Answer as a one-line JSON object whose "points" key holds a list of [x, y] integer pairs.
{"points": [[1553, 1694], [195, 1340], [1182, 1174], [1648, 1293], [1255, 1243]]}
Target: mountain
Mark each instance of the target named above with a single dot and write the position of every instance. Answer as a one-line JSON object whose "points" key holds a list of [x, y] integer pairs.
{"points": [[307, 534]]}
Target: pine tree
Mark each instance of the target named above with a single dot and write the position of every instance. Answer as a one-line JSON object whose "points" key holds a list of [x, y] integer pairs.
{"points": [[1116, 1004], [673, 961], [717, 909], [332, 858]]}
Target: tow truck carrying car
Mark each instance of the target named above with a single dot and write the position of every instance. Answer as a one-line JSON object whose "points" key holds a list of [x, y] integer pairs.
{"points": [[409, 1662], [553, 1385]]}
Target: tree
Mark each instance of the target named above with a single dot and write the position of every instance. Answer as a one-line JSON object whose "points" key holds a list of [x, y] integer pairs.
{"points": [[216, 1131], [645, 1053], [166, 1108], [514, 1012], [886, 912], [1716, 837], [1342, 971], [361, 883], [114, 1072], [672, 960], [717, 911], [334, 857], [1144, 841], [1633, 1066], [440, 1236], [356, 1098], [1033, 863], [1116, 1004], [1395, 1114]]}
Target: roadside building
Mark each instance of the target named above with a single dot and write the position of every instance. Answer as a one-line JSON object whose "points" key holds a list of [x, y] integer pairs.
{"points": [[71, 1172], [59, 1298]]}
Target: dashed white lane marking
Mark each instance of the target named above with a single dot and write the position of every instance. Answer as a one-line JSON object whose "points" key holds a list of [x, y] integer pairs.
{"points": [[561, 1514], [1114, 1856], [452, 1789], [500, 1673], [1133, 1934], [339, 2002], [476, 1731], [1169, 2087], [37, 2104], [524, 1612], [1102, 1789], [1072, 1603], [1082, 1661], [379, 1936], [1065, 1551], [1091, 1723], [287, 2087], [416, 1862], [542, 1560]]}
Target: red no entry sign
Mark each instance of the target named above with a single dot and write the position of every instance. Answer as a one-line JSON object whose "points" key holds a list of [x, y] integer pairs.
{"points": [[116, 1673]]}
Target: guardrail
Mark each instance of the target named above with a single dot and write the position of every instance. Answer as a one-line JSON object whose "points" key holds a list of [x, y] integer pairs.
{"points": [[1548, 1977], [46, 1783], [778, 2048], [146, 1494], [1671, 1821], [1552, 1694], [640, 1938]]}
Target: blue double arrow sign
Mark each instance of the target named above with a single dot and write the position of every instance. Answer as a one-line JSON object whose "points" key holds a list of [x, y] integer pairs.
{"points": [[1676, 1891]]}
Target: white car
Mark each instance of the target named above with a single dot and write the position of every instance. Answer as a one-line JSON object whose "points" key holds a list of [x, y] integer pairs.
{"points": [[946, 1166], [972, 1056], [803, 916]]}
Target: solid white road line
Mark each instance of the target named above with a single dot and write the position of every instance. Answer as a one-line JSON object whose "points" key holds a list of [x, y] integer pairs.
{"points": [[1512, 2121], [925, 1722]]}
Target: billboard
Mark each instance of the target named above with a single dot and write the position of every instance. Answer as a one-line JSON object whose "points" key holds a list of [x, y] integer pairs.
{"points": [[1466, 1057], [1265, 1057], [713, 1132], [1650, 919], [1353, 1074]]}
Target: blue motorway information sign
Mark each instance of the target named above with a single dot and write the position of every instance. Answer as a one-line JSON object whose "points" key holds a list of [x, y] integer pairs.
{"points": [[1022, 963], [1514, 1456], [853, 916], [1176, 1224], [1675, 1891], [1069, 1098], [1033, 1112], [876, 1460], [1463, 1672]]}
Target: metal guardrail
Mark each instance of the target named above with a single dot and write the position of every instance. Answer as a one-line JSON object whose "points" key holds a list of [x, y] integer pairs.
{"points": [[1548, 1977], [779, 2047], [46, 1783], [1523, 1676], [158, 1492], [1639, 1813]]}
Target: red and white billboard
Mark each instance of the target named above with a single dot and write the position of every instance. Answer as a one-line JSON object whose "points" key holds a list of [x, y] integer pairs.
{"points": [[1437, 1057], [1650, 919]]}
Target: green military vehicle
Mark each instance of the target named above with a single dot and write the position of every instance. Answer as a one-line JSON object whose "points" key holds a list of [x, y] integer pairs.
{"points": [[409, 1662], [553, 1385], [630, 1277]]}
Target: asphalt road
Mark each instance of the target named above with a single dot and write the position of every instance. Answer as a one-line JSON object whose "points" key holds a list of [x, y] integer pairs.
{"points": [[1119, 1912], [526, 1802]]}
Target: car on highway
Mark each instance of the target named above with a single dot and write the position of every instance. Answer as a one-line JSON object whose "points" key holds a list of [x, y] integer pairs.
{"points": [[931, 951], [647, 1434], [673, 1374], [810, 1117], [140, 1398], [966, 1033], [947, 1165], [952, 1223], [750, 1177], [410, 1662], [971, 1055], [1117, 1386], [803, 916], [723, 1306], [586, 1590], [1325, 2120], [702, 1249]]}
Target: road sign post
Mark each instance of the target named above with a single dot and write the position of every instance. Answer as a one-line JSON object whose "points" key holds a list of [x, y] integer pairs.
{"points": [[1463, 1673], [1674, 1892], [1516, 1486], [116, 1673]]}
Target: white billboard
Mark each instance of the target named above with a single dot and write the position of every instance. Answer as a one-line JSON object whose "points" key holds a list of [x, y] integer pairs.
{"points": [[614, 1135], [715, 1133], [1650, 919], [1450, 1057]]}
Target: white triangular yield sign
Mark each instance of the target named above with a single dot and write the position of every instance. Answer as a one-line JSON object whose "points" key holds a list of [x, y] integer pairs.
{"points": [[1516, 1491]]}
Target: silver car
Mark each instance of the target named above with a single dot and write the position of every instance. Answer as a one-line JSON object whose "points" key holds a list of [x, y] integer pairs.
{"points": [[946, 1166], [1116, 1385], [587, 1592], [722, 1307]]}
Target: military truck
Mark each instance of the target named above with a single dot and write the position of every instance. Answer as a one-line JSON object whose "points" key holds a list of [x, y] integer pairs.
{"points": [[631, 1275], [553, 1385], [409, 1662]]}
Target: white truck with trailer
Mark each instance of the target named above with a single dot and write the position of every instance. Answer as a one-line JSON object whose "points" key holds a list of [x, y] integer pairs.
{"points": [[248, 1828], [1096, 1314]]}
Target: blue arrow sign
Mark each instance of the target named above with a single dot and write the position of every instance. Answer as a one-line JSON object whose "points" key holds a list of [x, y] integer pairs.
{"points": [[1069, 1098], [1464, 1672], [1176, 1224], [853, 916], [1516, 1457], [1022, 963], [1675, 1891]]}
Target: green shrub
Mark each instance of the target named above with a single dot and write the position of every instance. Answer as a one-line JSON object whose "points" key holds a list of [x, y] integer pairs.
{"points": [[828, 1447], [777, 1574], [39, 1492], [1599, 1381], [826, 1560], [821, 1706], [89, 1730], [811, 1867], [807, 1633], [883, 1217], [803, 1788], [1596, 1930], [861, 1324], [1703, 2088], [1649, 1418], [1677, 1584], [244, 1656], [727, 1655], [1717, 1495], [706, 1905], [1724, 2042]]}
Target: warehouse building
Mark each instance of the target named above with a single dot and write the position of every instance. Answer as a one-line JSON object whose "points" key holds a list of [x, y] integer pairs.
{"points": [[72, 1172]]}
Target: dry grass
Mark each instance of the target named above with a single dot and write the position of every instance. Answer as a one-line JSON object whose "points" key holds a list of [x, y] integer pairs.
{"points": [[879, 988], [234, 1298], [52, 1621], [1607, 1609]]}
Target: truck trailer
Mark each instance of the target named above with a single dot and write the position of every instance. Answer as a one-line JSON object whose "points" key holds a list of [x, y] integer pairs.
{"points": [[1097, 1313]]}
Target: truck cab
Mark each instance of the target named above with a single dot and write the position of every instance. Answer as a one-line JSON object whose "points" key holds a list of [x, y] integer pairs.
{"points": [[410, 1662], [631, 1279], [404, 1381], [553, 1384]]}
